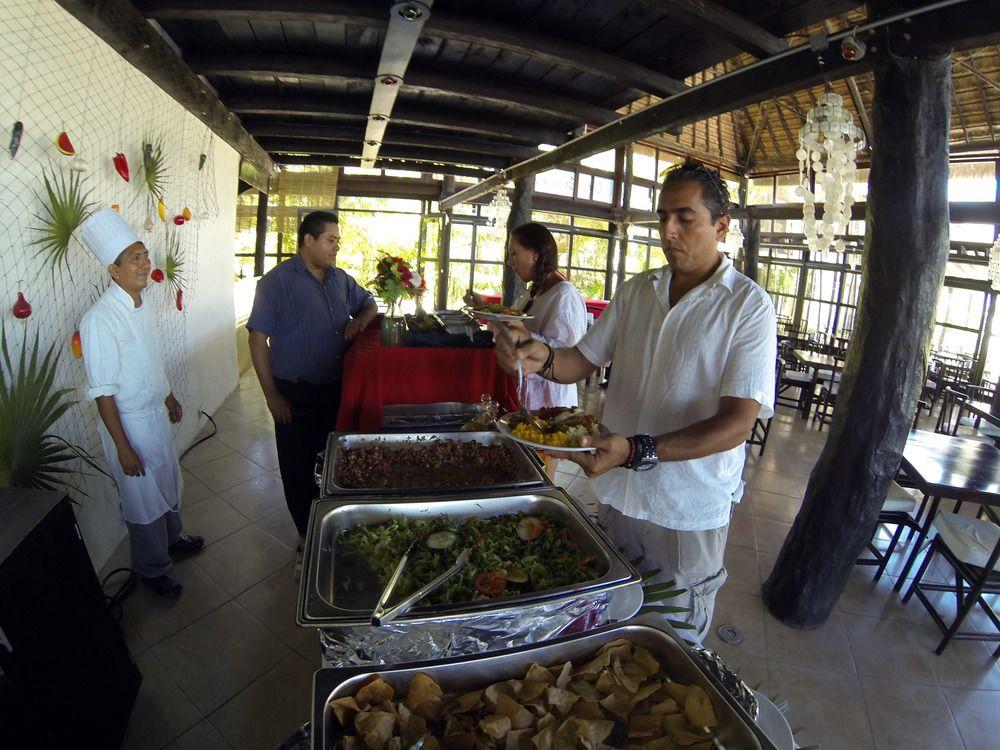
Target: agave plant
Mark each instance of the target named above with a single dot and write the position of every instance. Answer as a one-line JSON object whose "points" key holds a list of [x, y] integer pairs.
{"points": [[174, 268], [154, 171], [65, 209], [30, 403]]}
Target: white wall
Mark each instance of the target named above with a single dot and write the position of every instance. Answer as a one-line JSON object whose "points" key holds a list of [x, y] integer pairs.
{"points": [[60, 76]]}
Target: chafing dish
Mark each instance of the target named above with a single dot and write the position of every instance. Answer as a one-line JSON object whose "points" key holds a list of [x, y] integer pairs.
{"points": [[528, 472], [736, 730], [324, 600]]}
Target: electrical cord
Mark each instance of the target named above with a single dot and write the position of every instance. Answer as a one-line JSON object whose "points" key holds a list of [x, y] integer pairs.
{"points": [[115, 598]]}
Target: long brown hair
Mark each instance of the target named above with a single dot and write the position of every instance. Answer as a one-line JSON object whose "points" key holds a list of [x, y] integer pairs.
{"points": [[536, 237]]}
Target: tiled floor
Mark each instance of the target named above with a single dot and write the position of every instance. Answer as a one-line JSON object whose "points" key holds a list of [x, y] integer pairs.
{"points": [[225, 666]]}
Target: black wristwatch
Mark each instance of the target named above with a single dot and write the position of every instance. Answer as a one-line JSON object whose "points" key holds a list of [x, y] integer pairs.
{"points": [[644, 456]]}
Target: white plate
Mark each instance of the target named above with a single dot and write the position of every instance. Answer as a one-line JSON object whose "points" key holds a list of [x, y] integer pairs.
{"points": [[774, 724], [497, 317], [503, 425]]}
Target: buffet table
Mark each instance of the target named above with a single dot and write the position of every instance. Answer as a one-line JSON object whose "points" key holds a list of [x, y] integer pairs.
{"points": [[376, 376]]}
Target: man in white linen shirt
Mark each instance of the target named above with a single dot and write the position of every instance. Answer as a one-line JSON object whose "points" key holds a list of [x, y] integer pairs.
{"points": [[694, 347], [121, 352]]}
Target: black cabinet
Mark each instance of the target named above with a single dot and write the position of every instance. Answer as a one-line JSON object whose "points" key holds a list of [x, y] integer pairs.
{"points": [[67, 679]]}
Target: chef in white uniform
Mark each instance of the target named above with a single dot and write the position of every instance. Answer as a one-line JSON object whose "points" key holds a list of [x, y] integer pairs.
{"points": [[121, 351]]}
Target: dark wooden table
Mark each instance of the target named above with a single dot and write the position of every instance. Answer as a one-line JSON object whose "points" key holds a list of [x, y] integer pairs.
{"points": [[815, 360], [949, 467]]}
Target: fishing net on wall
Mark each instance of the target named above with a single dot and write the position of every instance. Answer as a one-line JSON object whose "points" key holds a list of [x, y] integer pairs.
{"points": [[64, 78]]}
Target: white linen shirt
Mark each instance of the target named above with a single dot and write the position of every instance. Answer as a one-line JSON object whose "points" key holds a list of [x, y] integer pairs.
{"points": [[671, 367], [559, 318]]}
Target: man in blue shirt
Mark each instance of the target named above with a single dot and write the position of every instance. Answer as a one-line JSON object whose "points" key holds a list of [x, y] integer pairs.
{"points": [[305, 313]]}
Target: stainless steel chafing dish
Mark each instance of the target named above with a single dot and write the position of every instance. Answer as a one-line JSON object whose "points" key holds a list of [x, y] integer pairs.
{"points": [[323, 603], [736, 730], [528, 473]]}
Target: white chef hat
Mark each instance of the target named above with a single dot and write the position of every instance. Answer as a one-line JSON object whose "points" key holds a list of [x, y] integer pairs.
{"points": [[107, 234]]}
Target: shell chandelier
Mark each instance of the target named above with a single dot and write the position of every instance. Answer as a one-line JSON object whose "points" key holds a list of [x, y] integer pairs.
{"points": [[828, 145], [497, 213], [994, 266]]}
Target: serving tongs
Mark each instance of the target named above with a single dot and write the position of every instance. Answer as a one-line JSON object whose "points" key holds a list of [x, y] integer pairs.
{"points": [[382, 615], [526, 415]]}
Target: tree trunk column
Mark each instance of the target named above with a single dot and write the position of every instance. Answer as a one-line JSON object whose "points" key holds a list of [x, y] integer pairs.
{"points": [[751, 248], [261, 244], [520, 213], [906, 250]]}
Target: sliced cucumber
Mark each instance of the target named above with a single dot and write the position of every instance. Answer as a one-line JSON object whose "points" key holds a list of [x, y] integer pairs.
{"points": [[441, 539], [515, 575], [529, 528]]}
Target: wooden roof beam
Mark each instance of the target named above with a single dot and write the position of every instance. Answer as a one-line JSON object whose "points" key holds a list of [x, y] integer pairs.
{"points": [[353, 148], [719, 21], [968, 24], [466, 87], [393, 136], [402, 114], [385, 163], [442, 25]]}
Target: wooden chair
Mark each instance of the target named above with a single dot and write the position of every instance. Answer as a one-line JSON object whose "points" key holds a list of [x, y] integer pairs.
{"points": [[829, 380], [791, 375], [762, 427], [971, 546], [900, 510]]}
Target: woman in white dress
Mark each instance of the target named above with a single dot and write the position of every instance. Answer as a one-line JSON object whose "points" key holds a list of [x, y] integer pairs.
{"points": [[559, 314]]}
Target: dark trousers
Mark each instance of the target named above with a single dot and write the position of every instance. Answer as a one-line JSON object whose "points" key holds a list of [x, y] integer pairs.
{"points": [[314, 417]]}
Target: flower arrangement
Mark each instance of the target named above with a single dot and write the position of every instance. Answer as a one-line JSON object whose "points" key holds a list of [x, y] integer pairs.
{"points": [[394, 280]]}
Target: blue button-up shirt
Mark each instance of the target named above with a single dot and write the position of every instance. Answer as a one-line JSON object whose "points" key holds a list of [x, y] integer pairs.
{"points": [[305, 320]]}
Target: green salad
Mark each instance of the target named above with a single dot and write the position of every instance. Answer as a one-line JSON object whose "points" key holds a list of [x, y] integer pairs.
{"points": [[510, 554]]}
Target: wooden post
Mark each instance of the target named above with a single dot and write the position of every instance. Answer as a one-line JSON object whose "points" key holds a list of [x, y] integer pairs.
{"points": [[444, 272], [626, 203], [906, 250], [520, 213], [751, 248], [258, 252]]}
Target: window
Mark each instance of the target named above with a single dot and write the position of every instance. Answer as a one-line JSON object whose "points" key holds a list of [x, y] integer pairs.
{"points": [[555, 182]]}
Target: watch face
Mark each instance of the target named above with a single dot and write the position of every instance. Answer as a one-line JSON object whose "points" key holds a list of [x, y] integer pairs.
{"points": [[646, 464]]}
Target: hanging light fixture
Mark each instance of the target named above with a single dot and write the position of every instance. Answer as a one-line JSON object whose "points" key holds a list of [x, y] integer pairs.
{"points": [[733, 244], [828, 146], [497, 213], [994, 265]]}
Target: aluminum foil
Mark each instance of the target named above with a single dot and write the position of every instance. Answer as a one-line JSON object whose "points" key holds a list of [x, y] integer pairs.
{"points": [[731, 681], [398, 643]]}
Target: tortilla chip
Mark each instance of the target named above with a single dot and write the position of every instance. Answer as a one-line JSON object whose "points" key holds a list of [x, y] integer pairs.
{"points": [[674, 722], [538, 673], [661, 743], [587, 710], [645, 691], [520, 717], [685, 738], [644, 726], [430, 742], [531, 690], [492, 694], [645, 660], [561, 700], [422, 687], [698, 708], [620, 649], [615, 644], [411, 726], [588, 731], [628, 681], [345, 709], [458, 725], [547, 721], [375, 728], [669, 706], [545, 740], [585, 690], [430, 709], [375, 692], [607, 681], [618, 702], [495, 726], [593, 668], [394, 744], [463, 742], [677, 691], [350, 742], [519, 739], [564, 676], [467, 702]]}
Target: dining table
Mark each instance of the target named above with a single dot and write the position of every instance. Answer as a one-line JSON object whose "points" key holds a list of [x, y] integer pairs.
{"points": [[817, 362], [948, 467], [376, 376]]}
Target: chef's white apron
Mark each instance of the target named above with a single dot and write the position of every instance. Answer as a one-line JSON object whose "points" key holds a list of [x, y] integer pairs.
{"points": [[144, 499]]}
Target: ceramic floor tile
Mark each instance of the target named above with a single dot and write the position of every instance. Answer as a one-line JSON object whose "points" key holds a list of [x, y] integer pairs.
{"points": [[741, 566], [269, 710], [967, 664], [741, 531], [227, 419], [273, 602], [263, 453], [827, 707], [249, 434], [745, 612], [885, 647], [909, 716], [216, 657], [226, 472], [203, 453], [202, 736], [775, 507], [977, 716], [257, 498], [155, 617], [863, 596], [244, 559], [825, 647], [311, 651], [195, 490], [279, 524], [770, 534], [162, 711], [213, 519]]}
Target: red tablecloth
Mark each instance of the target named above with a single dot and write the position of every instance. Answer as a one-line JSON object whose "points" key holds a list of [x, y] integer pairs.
{"points": [[596, 306], [375, 375]]}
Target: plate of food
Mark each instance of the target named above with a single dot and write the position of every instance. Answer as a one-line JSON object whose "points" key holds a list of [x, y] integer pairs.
{"points": [[498, 313], [562, 428]]}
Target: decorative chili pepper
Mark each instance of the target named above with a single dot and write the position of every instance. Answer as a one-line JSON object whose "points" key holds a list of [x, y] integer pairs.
{"points": [[178, 220], [15, 138], [76, 345], [156, 275], [22, 308], [180, 299], [121, 165]]}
